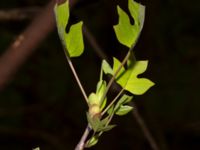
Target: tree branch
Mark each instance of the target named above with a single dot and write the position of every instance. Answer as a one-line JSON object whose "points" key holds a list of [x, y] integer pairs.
{"points": [[26, 43], [81, 144], [19, 13]]}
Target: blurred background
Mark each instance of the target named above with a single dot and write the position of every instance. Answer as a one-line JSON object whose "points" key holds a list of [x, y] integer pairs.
{"points": [[41, 104]]}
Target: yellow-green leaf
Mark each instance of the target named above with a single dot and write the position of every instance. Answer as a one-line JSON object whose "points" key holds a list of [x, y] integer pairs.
{"points": [[93, 99], [62, 16], [129, 80], [106, 67], [101, 88], [123, 110], [123, 100], [127, 34], [91, 142], [72, 41]]}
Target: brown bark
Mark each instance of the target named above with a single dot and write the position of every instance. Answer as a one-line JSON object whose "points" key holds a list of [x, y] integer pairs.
{"points": [[26, 43]]}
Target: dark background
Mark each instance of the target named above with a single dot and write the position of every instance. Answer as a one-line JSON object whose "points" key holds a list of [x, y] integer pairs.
{"points": [[43, 106]]}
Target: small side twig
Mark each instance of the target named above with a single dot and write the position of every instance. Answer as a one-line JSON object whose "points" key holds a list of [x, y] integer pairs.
{"points": [[113, 101]]}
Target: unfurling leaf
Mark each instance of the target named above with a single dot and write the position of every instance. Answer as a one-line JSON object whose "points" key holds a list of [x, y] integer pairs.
{"points": [[93, 99], [123, 110], [91, 142], [110, 110], [103, 125], [99, 125], [72, 41], [123, 100], [93, 121], [101, 87], [127, 34], [62, 16], [106, 128], [106, 68]]}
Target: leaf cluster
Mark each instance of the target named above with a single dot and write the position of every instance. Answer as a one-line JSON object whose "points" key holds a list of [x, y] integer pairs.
{"points": [[125, 73]]}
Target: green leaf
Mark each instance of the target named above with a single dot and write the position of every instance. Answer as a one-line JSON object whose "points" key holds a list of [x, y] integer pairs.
{"points": [[106, 67], [110, 110], [91, 142], [106, 128], [137, 11], [127, 34], [123, 100], [103, 125], [99, 125], [93, 121], [123, 110], [93, 99], [62, 16], [129, 80], [72, 41], [101, 87]]}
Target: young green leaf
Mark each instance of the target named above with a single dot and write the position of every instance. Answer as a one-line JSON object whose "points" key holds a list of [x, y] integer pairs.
{"points": [[103, 125], [91, 142], [105, 128], [127, 34], [110, 110], [129, 80], [123, 100], [124, 31], [99, 125], [101, 87], [72, 41], [62, 16], [93, 99], [106, 67], [137, 11], [123, 110], [94, 122]]}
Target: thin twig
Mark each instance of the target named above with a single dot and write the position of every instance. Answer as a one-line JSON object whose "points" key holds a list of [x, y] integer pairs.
{"points": [[113, 101], [115, 74], [81, 144], [76, 75]]}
